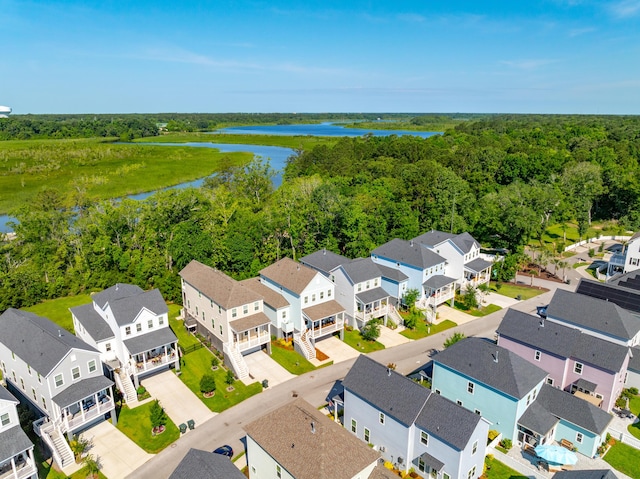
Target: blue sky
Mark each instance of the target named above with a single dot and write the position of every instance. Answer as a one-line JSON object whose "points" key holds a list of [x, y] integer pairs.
{"points": [[552, 56]]}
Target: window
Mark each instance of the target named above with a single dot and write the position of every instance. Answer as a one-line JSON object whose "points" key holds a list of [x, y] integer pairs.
{"points": [[14, 376], [75, 373], [59, 380], [359, 287], [284, 314], [256, 306], [219, 309], [472, 473], [197, 311], [150, 324], [421, 465], [368, 284], [321, 294], [528, 399], [577, 368], [474, 448], [354, 426], [458, 402], [245, 309], [33, 393], [29, 369], [161, 319], [234, 313], [367, 435], [470, 387], [375, 282], [13, 355], [22, 383], [424, 438], [381, 418], [4, 419], [278, 470], [313, 297], [127, 330], [220, 329], [203, 318], [92, 365], [211, 302], [328, 293], [39, 378], [579, 437], [4, 367], [445, 476], [477, 411], [107, 347], [537, 355], [138, 327], [306, 299], [44, 403], [550, 381]]}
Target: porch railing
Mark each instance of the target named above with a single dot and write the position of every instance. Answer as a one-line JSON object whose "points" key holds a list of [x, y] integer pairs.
{"points": [[327, 328], [155, 362], [90, 413], [253, 341], [24, 468], [372, 313]]}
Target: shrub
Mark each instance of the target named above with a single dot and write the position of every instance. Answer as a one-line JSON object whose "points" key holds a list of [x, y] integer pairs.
{"points": [[493, 434], [230, 378], [79, 445], [157, 415], [506, 443], [370, 331], [141, 390], [391, 324], [215, 362], [454, 338], [208, 383], [591, 253], [633, 391], [621, 402]]}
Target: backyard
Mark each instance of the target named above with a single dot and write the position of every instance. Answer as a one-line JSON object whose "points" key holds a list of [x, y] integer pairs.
{"points": [[625, 459], [136, 425], [423, 329], [514, 290], [284, 354], [495, 469], [634, 407], [57, 310]]}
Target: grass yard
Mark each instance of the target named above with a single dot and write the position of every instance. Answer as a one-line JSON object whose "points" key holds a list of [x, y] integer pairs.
{"points": [[513, 290], [478, 313], [625, 459], [185, 338], [555, 233], [296, 142], [289, 359], [634, 407], [194, 365], [354, 339], [495, 469], [422, 329], [57, 310], [136, 425]]}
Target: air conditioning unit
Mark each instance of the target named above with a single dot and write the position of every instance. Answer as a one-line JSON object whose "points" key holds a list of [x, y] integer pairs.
{"points": [[382, 448], [400, 460]]}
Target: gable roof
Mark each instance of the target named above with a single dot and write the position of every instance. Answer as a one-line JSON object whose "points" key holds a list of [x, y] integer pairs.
{"points": [[304, 442], [13, 441], [5, 395], [115, 292], [408, 252], [127, 300], [36, 340], [630, 280], [90, 320], [387, 390], [271, 298], [324, 261], [290, 274], [464, 241], [616, 293], [476, 359], [634, 362], [206, 465], [594, 314], [563, 341], [392, 274], [361, 269], [586, 474], [217, 286]]}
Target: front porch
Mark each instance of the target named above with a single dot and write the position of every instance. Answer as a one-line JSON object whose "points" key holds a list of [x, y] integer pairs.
{"points": [[154, 359], [16, 460], [83, 402], [372, 304], [477, 272], [151, 352], [250, 332], [18, 467], [324, 319], [437, 290]]}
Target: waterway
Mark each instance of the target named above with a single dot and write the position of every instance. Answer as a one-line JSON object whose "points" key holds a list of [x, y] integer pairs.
{"points": [[320, 129]]}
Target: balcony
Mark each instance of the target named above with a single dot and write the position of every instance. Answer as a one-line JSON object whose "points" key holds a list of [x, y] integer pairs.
{"points": [[372, 313], [24, 467], [90, 411], [150, 363], [326, 327], [248, 342]]}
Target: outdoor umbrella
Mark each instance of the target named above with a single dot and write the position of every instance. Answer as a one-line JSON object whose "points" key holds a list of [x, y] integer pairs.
{"points": [[556, 454]]}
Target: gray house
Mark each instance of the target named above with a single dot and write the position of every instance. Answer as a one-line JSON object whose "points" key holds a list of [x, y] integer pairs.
{"points": [[16, 449], [206, 465], [412, 426]]}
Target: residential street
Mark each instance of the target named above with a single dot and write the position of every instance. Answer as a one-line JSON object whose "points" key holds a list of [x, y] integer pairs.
{"points": [[226, 427]]}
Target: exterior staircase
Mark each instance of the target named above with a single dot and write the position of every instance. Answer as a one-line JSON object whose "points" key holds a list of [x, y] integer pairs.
{"points": [[61, 449], [395, 316], [126, 386], [238, 364], [303, 342]]}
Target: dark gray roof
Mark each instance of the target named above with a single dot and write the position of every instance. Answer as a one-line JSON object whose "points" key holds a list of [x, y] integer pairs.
{"points": [[361, 269], [475, 358], [206, 465], [478, 265], [538, 419], [624, 297], [5, 395], [387, 390], [127, 300], [392, 273], [573, 409], [594, 314], [115, 292], [586, 474], [36, 340], [431, 461], [438, 281], [371, 295], [80, 390], [630, 280], [324, 261], [447, 421], [147, 341], [13, 441], [585, 385], [562, 341], [97, 327], [409, 253], [634, 362], [464, 241]]}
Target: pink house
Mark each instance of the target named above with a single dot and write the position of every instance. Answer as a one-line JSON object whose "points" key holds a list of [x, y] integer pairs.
{"points": [[589, 367]]}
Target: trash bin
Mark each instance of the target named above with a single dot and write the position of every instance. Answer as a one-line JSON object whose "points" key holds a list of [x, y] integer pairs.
{"points": [[191, 423], [183, 428], [265, 383]]}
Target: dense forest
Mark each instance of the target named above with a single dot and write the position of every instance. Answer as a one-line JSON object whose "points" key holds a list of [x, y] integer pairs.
{"points": [[502, 178]]}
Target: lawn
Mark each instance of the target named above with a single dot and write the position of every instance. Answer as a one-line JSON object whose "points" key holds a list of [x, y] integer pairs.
{"points": [[289, 359], [57, 310], [497, 470], [478, 313], [423, 329], [185, 338], [513, 290], [625, 459], [295, 142], [634, 407], [136, 425], [555, 233], [354, 339], [194, 365]]}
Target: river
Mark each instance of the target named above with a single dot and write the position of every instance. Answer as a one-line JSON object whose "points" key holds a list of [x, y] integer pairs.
{"points": [[320, 129]]}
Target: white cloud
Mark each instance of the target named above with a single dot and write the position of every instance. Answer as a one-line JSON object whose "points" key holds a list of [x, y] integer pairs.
{"points": [[576, 32], [527, 64], [625, 8]]}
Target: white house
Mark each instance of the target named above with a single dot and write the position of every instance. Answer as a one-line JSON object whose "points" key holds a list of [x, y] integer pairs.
{"points": [[16, 449], [130, 327], [58, 374]]}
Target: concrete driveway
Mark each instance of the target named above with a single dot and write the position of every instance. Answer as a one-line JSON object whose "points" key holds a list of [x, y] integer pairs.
{"points": [[177, 399], [118, 455], [336, 350], [391, 337], [499, 300], [262, 366]]}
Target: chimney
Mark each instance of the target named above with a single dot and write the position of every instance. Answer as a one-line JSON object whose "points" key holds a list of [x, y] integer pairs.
{"points": [[495, 358], [59, 333], [542, 323], [388, 371], [116, 286], [411, 243], [313, 427]]}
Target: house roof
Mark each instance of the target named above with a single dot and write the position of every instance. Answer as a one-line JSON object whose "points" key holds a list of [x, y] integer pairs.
{"points": [[13, 441], [323, 310], [572, 409], [562, 341], [5, 395], [630, 280], [271, 298], [308, 444], [151, 340], [324, 261], [371, 295], [478, 265], [594, 314], [582, 383], [634, 361], [36, 340], [586, 474], [408, 252], [361, 269], [249, 322], [381, 472], [80, 390], [392, 274], [476, 359], [206, 465], [538, 419], [115, 292], [289, 274], [431, 461], [90, 320], [464, 241], [438, 281], [616, 293], [127, 300], [217, 286]]}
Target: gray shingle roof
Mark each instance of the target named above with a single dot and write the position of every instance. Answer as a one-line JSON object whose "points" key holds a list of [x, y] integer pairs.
{"points": [[147, 341], [97, 327], [115, 292], [5, 395], [478, 265], [80, 390], [36, 340], [361, 269], [126, 309], [249, 322], [371, 295], [475, 358], [586, 474], [388, 391], [392, 274], [13, 441], [634, 362], [573, 409], [206, 465], [438, 281], [594, 314], [464, 241], [410, 253], [538, 419], [630, 280], [431, 461], [324, 261], [585, 385], [562, 341]]}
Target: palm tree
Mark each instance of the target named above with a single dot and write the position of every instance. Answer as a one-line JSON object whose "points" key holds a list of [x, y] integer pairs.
{"points": [[563, 265]]}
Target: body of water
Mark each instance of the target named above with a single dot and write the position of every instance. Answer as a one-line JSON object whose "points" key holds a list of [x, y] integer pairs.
{"points": [[320, 129]]}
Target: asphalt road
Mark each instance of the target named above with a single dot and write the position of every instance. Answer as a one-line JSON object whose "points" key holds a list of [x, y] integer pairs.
{"points": [[227, 427]]}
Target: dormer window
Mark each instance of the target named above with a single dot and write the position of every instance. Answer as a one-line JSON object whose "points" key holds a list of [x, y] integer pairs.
{"points": [[234, 313], [245, 309]]}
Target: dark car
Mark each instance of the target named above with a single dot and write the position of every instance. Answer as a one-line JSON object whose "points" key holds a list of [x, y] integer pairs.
{"points": [[225, 450]]}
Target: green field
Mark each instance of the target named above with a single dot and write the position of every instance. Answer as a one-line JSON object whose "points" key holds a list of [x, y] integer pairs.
{"points": [[136, 425], [290, 359], [57, 310], [625, 459], [354, 339], [495, 469], [295, 142], [513, 290], [96, 169], [422, 329]]}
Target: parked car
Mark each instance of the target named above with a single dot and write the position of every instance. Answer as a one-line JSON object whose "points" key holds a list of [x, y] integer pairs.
{"points": [[225, 450]]}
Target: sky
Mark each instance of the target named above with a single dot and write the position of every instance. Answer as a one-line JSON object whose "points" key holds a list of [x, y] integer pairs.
{"points": [[139, 56]]}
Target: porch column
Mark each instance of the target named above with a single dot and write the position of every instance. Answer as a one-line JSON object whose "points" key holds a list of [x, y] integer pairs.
{"points": [[66, 417], [177, 353], [13, 466], [114, 417]]}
